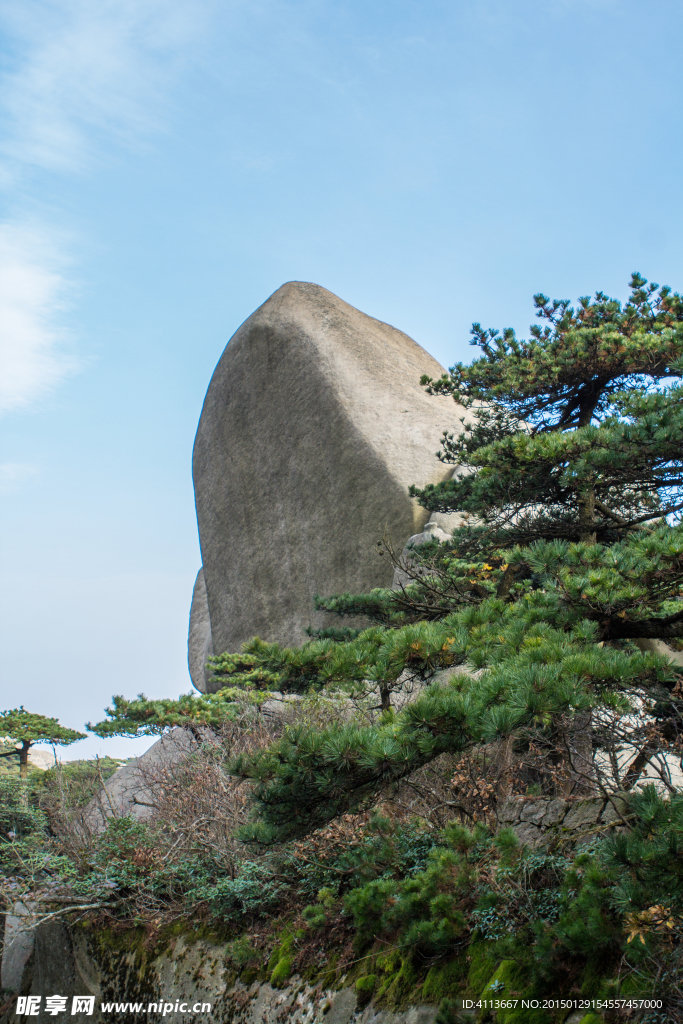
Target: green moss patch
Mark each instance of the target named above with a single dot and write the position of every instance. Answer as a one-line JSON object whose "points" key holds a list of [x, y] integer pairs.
{"points": [[399, 989], [280, 963], [508, 983], [444, 981], [365, 988], [482, 963]]}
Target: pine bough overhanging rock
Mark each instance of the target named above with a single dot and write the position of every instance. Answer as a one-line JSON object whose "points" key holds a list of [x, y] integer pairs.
{"points": [[564, 579]]}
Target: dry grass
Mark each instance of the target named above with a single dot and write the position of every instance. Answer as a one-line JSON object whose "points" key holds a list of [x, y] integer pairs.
{"points": [[198, 804]]}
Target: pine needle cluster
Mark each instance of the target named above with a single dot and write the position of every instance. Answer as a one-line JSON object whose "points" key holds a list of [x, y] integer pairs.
{"points": [[549, 622]]}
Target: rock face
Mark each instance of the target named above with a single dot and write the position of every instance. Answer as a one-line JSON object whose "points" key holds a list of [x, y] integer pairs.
{"points": [[313, 428], [543, 821], [17, 946], [199, 645], [128, 792], [187, 984]]}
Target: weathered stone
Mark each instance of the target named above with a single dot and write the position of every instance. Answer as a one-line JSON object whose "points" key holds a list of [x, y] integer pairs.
{"points": [[199, 642], [511, 809], [555, 813], [615, 809], [534, 811], [539, 822], [17, 947], [584, 813], [53, 963], [529, 834], [72, 961], [313, 428]]}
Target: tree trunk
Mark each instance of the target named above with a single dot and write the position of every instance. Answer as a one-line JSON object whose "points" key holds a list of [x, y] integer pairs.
{"points": [[638, 766], [587, 517], [23, 759], [577, 741], [587, 498], [504, 767]]}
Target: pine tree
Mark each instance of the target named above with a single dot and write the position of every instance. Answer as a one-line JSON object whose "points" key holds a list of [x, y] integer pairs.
{"points": [[580, 438], [562, 586], [22, 727], [145, 717], [571, 558]]}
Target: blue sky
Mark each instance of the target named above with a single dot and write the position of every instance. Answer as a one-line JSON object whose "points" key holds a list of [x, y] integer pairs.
{"points": [[167, 164]]}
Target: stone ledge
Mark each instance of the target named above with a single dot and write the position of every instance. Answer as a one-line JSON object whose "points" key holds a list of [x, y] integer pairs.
{"points": [[538, 821]]}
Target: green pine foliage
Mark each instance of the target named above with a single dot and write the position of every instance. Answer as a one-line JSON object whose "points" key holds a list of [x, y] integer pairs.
{"points": [[582, 432], [569, 923], [243, 671], [553, 612], [535, 673], [571, 561], [26, 729], [144, 717]]}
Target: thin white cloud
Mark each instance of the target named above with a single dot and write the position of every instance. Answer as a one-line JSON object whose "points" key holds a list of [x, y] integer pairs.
{"points": [[13, 474], [80, 69], [33, 290], [76, 75]]}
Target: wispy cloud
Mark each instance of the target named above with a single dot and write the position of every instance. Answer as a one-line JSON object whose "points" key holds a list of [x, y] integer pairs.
{"points": [[33, 290], [81, 70], [13, 474], [77, 76]]}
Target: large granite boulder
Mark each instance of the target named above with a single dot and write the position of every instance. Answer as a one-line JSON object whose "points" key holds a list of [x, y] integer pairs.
{"points": [[313, 428], [199, 640], [132, 791], [129, 792]]}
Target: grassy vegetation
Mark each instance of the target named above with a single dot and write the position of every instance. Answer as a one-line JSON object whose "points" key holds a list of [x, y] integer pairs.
{"points": [[404, 912], [354, 839]]}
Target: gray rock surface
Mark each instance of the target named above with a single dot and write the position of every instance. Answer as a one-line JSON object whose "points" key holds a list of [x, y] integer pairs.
{"points": [[199, 643], [42, 759], [539, 821], [128, 790], [407, 569], [313, 428], [188, 975], [17, 946]]}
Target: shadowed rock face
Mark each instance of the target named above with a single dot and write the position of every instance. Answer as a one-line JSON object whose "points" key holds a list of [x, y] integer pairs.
{"points": [[199, 645], [313, 428]]}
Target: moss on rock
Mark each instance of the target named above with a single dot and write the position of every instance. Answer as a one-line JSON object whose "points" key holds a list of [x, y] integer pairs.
{"points": [[445, 980], [280, 963], [365, 988], [482, 964], [400, 988], [509, 983]]}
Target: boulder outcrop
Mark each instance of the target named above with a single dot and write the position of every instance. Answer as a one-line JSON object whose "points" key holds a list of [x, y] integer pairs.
{"points": [[199, 640], [313, 428], [187, 983], [129, 791], [548, 821]]}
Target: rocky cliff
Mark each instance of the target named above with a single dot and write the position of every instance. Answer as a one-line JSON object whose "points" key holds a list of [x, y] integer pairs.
{"points": [[186, 981], [313, 428]]}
